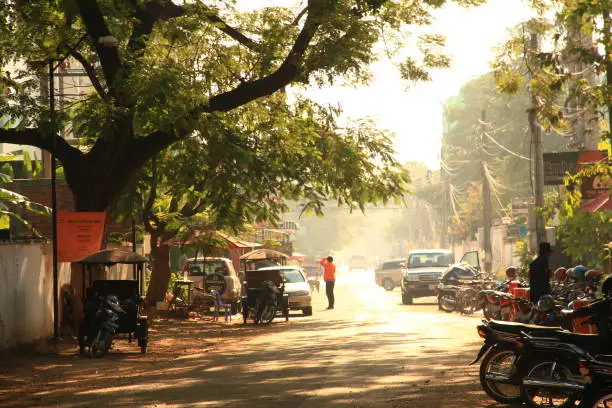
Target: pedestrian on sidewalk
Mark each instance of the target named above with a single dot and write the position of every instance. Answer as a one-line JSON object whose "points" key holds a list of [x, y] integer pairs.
{"points": [[329, 276], [539, 273]]}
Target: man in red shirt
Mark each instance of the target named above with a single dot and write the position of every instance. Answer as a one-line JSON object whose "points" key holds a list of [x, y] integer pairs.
{"points": [[329, 276]]}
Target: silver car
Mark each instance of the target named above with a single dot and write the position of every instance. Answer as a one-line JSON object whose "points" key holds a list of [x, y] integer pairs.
{"points": [[296, 286]]}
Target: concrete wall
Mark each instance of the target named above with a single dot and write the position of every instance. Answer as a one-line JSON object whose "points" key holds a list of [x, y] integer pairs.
{"points": [[26, 288]]}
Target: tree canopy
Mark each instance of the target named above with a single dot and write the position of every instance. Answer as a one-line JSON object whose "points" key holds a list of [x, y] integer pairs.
{"points": [[162, 71]]}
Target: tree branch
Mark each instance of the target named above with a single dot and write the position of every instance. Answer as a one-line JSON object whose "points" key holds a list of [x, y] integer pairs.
{"points": [[91, 73], [299, 16], [287, 72], [143, 148], [33, 137], [96, 28], [231, 31]]}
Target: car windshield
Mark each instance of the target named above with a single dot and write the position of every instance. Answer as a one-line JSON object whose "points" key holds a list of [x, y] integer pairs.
{"points": [[393, 265], [205, 268], [293, 276], [425, 260]]}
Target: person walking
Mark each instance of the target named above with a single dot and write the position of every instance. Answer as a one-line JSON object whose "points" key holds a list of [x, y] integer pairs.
{"points": [[329, 276], [539, 273]]}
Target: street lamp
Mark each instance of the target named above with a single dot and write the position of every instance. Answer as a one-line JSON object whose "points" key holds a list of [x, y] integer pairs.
{"points": [[108, 41]]}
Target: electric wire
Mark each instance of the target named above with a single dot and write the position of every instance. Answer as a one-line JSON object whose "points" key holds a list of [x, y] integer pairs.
{"points": [[505, 148]]}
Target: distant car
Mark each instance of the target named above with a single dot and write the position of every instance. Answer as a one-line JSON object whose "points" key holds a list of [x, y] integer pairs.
{"points": [[296, 286], [358, 262], [389, 273], [215, 273]]}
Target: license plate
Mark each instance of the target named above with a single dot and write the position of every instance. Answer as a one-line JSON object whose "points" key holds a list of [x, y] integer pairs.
{"points": [[432, 286]]}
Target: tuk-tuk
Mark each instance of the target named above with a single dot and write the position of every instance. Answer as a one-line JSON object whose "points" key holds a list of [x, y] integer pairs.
{"points": [[132, 320], [264, 296], [263, 286]]}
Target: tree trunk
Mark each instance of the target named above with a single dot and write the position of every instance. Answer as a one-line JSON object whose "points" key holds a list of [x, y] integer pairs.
{"points": [[161, 270]]}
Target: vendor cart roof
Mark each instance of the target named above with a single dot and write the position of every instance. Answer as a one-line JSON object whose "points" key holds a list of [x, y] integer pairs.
{"points": [[259, 254], [113, 256]]}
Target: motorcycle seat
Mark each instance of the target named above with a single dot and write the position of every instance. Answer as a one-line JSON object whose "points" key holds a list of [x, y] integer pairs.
{"points": [[517, 328], [591, 343]]}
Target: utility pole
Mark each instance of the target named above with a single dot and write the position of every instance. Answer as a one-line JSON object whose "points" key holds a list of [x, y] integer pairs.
{"points": [[445, 192], [538, 160], [44, 97], [486, 199]]}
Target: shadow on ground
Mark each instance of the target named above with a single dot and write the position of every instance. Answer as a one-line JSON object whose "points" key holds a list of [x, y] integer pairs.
{"points": [[307, 363]]}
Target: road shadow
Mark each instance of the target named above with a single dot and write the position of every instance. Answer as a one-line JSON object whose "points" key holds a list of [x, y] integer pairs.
{"points": [[306, 363]]}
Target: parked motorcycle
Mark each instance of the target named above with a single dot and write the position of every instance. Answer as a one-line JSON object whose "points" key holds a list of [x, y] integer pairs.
{"points": [[535, 358], [497, 302], [499, 353], [100, 324], [597, 373], [266, 303]]}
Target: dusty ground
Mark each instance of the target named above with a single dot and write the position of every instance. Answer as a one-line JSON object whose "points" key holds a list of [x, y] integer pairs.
{"points": [[369, 352]]}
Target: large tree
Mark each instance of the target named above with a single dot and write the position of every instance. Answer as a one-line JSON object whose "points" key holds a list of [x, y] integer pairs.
{"points": [[250, 161], [175, 64]]}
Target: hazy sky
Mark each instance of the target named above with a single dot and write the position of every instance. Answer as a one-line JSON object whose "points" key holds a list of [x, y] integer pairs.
{"points": [[415, 113]]}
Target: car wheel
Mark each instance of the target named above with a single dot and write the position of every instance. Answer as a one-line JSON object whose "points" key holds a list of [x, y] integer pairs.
{"points": [[388, 284], [406, 298], [307, 311]]}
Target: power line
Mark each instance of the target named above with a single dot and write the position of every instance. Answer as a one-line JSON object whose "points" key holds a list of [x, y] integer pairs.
{"points": [[505, 148]]}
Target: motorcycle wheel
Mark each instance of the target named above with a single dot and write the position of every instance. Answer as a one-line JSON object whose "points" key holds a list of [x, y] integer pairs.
{"points": [[599, 399], [537, 397], [499, 361], [267, 314], [100, 345], [444, 304], [489, 314], [467, 301]]}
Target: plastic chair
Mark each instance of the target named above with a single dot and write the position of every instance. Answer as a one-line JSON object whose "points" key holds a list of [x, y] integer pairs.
{"points": [[219, 304]]}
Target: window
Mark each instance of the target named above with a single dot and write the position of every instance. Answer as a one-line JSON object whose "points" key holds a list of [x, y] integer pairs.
{"points": [[392, 265], [205, 268], [293, 275], [429, 260]]}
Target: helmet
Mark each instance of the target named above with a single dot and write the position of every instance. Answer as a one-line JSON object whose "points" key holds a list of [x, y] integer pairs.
{"points": [[579, 272], [592, 275], [511, 272], [546, 303], [569, 275], [560, 274]]}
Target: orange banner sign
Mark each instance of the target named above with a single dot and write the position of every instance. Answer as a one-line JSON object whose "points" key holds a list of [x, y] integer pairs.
{"points": [[79, 234]]}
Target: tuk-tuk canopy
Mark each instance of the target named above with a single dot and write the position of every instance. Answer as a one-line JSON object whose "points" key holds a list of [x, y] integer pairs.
{"points": [[260, 254], [110, 257]]}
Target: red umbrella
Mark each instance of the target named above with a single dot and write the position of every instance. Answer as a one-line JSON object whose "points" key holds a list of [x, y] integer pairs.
{"points": [[599, 203]]}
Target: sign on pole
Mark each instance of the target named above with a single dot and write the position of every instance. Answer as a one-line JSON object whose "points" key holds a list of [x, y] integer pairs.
{"points": [[557, 164], [79, 234]]}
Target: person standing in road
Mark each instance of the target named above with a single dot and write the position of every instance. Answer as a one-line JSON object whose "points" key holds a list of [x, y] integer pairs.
{"points": [[539, 273], [329, 276]]}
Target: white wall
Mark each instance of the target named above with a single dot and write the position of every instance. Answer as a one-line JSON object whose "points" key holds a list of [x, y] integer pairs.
{"points": [[26, 287]]}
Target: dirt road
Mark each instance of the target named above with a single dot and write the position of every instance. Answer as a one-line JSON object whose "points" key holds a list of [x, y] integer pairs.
{"points": [[370, 351]]}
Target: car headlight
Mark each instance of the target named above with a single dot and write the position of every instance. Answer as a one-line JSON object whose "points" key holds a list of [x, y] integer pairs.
{"points": [[300, 293], [412, 278]]}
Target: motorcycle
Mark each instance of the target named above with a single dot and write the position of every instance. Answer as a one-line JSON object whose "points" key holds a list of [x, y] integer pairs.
{"points": [[447, 297], [499, 354], [266, 303], [497, 303], [535, 358], [597, 373], [101, 323]]}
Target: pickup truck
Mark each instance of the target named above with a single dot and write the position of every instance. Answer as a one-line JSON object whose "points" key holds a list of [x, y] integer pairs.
{"points": [[423, 270]]}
